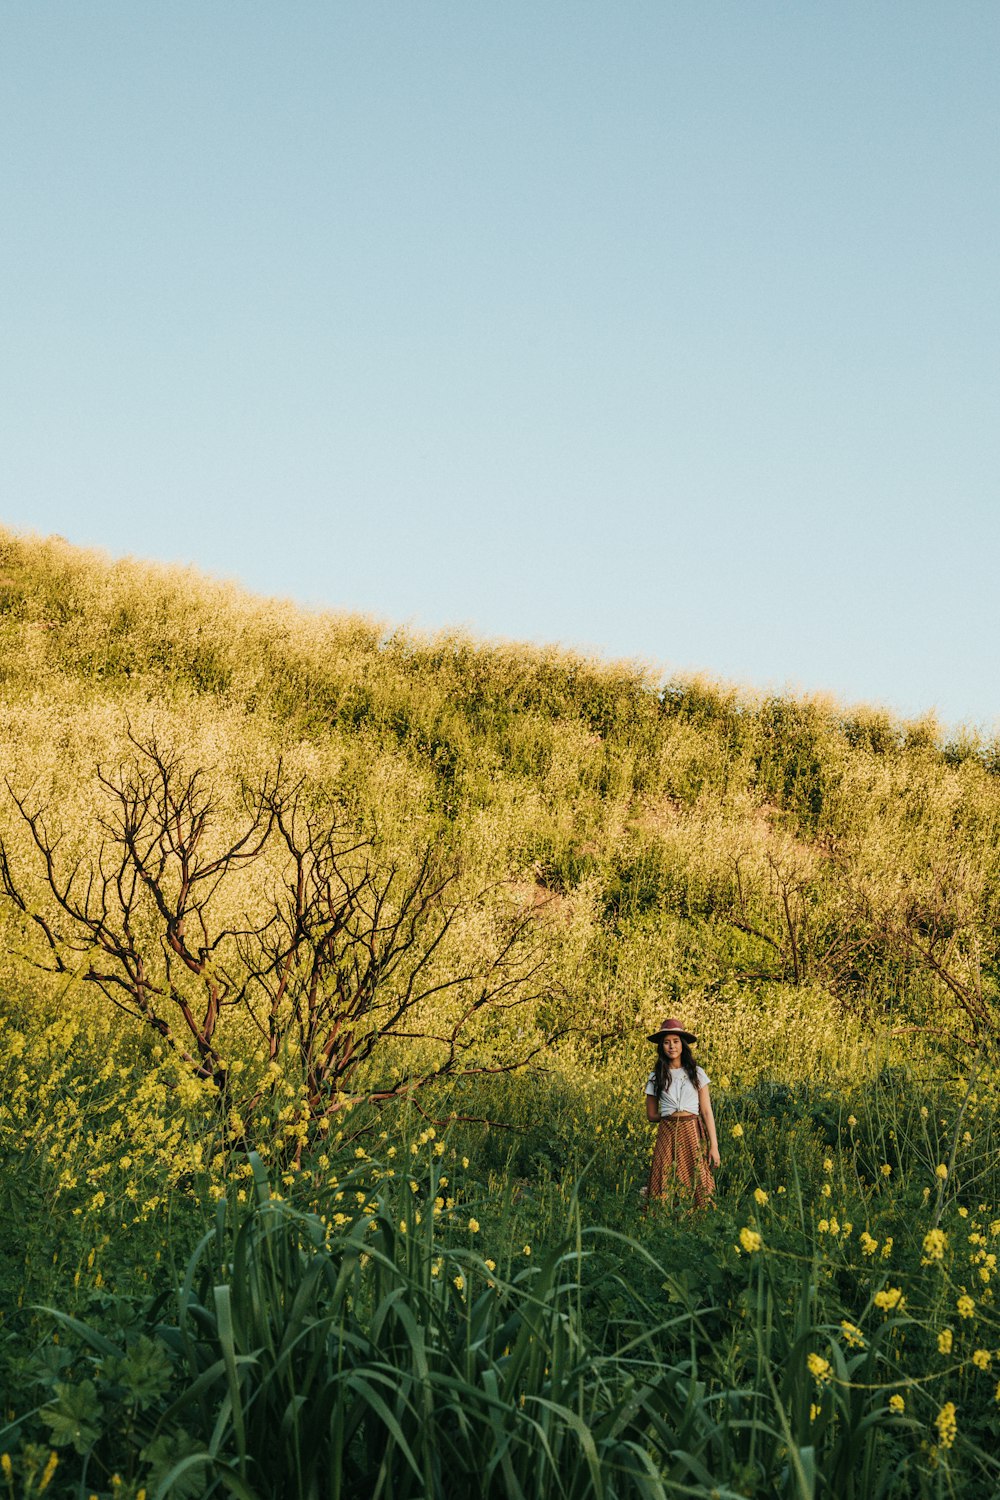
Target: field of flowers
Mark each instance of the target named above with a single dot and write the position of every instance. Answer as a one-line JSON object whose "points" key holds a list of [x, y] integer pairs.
{"points": [[211, 1283], [830, 1326]]}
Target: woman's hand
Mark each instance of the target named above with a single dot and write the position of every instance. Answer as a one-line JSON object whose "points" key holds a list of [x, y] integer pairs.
{"points": [[713, 1156]]}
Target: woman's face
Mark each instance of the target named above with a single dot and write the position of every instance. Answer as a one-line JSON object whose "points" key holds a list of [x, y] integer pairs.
{"points": [[672, 1049]]}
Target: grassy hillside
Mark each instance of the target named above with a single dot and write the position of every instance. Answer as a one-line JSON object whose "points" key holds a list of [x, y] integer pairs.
{"points": [[814, 887], [666, 819]]}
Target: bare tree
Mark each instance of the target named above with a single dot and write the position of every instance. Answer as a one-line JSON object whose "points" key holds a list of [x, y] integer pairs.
{"points": [[940, 925], [339, 955]]}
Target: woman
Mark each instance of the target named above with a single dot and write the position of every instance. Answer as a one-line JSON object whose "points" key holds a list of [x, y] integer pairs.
{"points": [[677, 1098]]}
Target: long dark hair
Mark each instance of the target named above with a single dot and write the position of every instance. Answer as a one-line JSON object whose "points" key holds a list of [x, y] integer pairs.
{"points": [[662, 1069]]}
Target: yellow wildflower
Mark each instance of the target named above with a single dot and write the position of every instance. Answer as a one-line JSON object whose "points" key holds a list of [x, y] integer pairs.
{"points": [[737, 1132], [750, 1240], [819, 1368], [941, 1171], [935, 1244], [760, 1196], [868, 1245], [853, 1335], [966, 1307], [945, 1340], [946, 1424], [981, 1359], [897, 1404], [892, 1297], [47, 1472]]}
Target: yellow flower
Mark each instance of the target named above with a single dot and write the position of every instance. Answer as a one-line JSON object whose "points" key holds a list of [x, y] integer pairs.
{"points": [[981, 1359], [852, 1121], [941, 1171], [823, 1226], [868, 1245], [897, 1404], [760, 1196], [47, 1472], [814, 1411], [825, 1190], [750, 1240], [946, 1424], [923, 1111], [891, 1298], [737, 1132], [828, 1164], [853, 1335], [935, 1244], [526, 1250], [459, 1283], [473, 1226], [465, 1161], [945, 1341], [491, 1265], [7, 1467], [887, 1248], [966, 1307], [886, 1169], [819, 1368]]}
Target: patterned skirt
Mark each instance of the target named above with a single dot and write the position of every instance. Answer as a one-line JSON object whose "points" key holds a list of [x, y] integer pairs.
{"points": [[680, 1169]]}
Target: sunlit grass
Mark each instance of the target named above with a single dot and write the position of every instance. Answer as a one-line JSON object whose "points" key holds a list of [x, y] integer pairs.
{"points": [[769, 866]]}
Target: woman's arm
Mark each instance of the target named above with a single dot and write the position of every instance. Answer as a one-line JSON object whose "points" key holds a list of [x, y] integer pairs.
{"points": [[705, 1106], [652, 1108]]}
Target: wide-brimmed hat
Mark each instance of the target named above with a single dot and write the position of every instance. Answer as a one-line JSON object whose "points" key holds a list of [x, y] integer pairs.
{"points": [[671, 1025]]}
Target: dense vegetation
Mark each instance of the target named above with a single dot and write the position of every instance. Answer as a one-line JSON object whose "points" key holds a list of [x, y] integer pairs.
{"points": [[213, 1284]]}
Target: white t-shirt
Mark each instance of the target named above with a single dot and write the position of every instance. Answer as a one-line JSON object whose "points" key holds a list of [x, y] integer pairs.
{"points": [[680, 1092]]}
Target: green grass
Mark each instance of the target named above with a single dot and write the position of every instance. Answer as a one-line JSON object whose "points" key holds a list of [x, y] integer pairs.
{"points": [[814, 886]]}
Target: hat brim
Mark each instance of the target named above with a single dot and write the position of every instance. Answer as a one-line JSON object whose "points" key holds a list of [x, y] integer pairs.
{"points": [[685, 1036]]}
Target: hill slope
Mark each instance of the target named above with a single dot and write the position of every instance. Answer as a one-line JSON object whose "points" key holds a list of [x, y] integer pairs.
{"points": [[681, 838]]}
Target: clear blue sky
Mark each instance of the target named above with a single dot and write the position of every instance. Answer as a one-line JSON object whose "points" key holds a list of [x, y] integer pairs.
{"points": [[669, 330]]}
